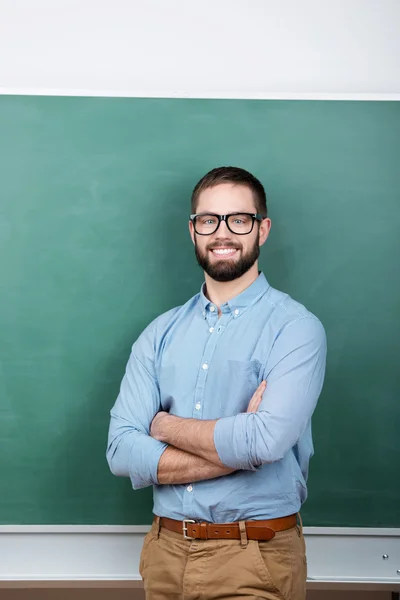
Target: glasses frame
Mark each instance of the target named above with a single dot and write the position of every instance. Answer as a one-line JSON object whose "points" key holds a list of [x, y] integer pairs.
{"points": [[254, 216]]}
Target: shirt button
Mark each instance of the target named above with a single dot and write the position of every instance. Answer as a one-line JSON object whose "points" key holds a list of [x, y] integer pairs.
{"points": [[198, 406], [189, 488], [236, 312], [205, 366], [211, 329], [212, 308]]}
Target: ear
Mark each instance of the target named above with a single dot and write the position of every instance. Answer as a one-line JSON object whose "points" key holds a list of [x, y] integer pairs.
{"points": [[191, 231], [265, 228]]}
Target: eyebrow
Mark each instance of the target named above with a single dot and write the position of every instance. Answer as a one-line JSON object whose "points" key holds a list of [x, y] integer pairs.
{"points": [[232, 212]]}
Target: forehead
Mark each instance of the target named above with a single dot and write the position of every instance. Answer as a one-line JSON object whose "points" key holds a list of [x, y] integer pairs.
{"points": [[226, 198]]}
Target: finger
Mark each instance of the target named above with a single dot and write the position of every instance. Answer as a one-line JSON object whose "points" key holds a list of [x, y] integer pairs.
{"points": [[252, 407], [252, 404], [257, 397], [257, 402], [259, 391]]}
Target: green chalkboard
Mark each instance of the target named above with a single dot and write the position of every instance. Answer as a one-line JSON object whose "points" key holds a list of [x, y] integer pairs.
{"points": [[94, 245]]}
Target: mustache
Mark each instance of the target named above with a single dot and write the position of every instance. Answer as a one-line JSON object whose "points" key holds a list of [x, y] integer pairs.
{"points": [[227, 244]]}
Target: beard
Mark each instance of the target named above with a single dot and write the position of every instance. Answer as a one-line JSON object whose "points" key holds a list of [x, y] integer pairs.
{"points": [[227, 270]]}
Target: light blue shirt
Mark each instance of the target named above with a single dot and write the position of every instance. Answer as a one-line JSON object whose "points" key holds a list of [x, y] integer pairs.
{"points": [[195, 365]]}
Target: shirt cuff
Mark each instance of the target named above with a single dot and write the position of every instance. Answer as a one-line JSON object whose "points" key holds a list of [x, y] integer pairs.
{"points": [[231, 443], [145, 455]]}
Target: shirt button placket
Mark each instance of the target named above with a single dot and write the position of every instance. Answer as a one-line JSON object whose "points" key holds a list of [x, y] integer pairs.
{"points": [[205, 363]]}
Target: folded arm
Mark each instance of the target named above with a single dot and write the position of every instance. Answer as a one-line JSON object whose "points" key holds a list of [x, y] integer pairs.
{"points": [[191, 435], [295, 373], [178, 466], [131, 451]]}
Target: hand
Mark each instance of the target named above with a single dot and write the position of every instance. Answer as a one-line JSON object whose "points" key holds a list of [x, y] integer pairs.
{"points": [[156, 425], [257, 397]]}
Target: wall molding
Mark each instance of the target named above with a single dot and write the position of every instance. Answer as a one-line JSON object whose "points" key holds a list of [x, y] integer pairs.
{"points": [[143, 529]]}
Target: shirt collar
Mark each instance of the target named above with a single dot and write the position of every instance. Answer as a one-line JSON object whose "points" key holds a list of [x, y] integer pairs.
{"points": [[240, 303]]}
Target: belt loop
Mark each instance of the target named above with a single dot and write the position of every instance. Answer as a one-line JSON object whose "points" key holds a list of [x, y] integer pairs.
{"points": [[243, 534], [299, 524], [156, 527]]}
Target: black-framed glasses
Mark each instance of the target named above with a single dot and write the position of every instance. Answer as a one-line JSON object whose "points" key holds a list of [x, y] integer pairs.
{"points": [[237, 223]]}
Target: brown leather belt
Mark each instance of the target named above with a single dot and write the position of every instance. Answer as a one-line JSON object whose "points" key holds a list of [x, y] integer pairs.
{"points": [[255, 530]]}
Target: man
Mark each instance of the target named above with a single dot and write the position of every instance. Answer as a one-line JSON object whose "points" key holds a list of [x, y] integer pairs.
{"points": [[215, 412]]}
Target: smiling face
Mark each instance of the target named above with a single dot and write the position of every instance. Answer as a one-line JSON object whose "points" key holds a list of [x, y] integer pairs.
{"points": [[223, 255]]}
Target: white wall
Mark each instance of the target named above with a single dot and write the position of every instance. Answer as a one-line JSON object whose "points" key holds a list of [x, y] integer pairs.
{"points": [[212, 48]]}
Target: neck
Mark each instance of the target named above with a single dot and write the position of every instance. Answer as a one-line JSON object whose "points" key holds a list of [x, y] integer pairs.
{"points": [[219, 292]]}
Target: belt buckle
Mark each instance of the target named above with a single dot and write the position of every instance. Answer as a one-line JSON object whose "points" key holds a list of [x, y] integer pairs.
{"points": [[184, 527]]}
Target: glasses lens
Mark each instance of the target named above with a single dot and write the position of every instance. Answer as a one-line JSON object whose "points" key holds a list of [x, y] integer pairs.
{"points": [[206, 224], [240, 223]]}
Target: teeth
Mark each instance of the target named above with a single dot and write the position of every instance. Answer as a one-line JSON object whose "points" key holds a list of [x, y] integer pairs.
{"points": [[225, 251]]}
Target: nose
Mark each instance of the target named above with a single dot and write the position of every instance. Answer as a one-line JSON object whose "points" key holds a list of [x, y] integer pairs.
{"points": [[223, 226]]}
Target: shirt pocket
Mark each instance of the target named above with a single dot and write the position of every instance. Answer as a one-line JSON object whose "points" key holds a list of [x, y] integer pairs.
{"points": [[239, 381]]}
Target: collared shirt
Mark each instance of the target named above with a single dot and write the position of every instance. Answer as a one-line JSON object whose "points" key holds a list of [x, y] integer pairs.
{"points": [[193, 364]]}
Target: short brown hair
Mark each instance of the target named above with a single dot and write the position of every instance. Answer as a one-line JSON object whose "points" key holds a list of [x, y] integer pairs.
{"points": [[234, 175]]}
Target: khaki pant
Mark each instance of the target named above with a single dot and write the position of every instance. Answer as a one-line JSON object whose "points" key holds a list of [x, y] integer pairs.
{"points": [[175, 568]]}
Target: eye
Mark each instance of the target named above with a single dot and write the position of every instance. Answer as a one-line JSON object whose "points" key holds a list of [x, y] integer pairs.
{"points": [[208, 220], [240, 220]]}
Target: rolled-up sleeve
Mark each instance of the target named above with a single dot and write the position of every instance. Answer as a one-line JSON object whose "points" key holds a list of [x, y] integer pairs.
{"points": [[131, 451], [294, 373]]}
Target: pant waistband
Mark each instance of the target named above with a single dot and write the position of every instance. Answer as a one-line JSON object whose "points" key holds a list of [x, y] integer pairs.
{"points": [[255, 530]]}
